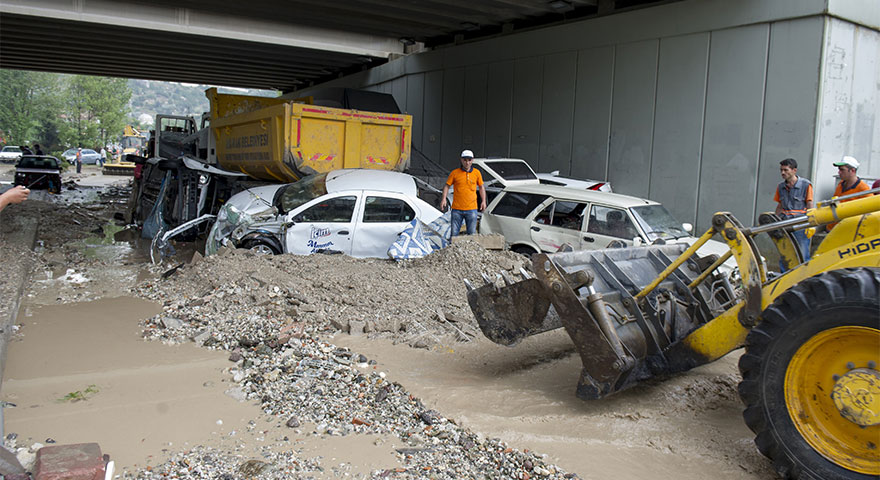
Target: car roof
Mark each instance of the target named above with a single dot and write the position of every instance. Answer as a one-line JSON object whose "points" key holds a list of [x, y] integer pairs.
{"points": [[11, 147], [568, 193], [366, 179]]}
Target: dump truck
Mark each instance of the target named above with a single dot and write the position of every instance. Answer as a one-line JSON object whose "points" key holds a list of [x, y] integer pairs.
{"points": [[133, 143], [192, 167], [810, 377]]}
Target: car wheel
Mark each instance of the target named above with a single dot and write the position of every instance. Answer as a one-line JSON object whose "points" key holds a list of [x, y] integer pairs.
{"points": [[260, 247]]}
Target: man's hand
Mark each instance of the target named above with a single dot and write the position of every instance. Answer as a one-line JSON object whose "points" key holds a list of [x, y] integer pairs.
{"points": [[15, 194], [483, 206]]}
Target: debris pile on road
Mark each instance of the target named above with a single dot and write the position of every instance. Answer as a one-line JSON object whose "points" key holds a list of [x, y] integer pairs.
{"points": [[239, 296]]}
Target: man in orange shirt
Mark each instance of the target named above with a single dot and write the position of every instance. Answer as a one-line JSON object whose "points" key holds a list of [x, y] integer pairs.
{"points": [[466, 181], [849, 181]]}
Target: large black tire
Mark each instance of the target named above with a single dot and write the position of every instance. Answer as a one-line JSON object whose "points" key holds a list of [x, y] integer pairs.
{"points": [[845, 301]]}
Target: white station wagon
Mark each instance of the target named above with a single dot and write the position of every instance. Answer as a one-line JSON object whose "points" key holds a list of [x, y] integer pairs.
{"points": [[536, 218], [352, 211]]}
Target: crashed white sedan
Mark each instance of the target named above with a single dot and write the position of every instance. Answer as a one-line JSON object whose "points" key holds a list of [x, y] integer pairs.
{"points": [[352, 211]]}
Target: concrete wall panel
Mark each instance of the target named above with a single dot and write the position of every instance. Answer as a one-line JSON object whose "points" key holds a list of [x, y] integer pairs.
{"points": [[678, 125], [415, 105], [433, 115], [499, 105], [592, 113], [850, 103], [474, 119], [557, 112], [731, 140], [525, 123], [632, 117], [398, 91], [453, 100], [790, 103]]}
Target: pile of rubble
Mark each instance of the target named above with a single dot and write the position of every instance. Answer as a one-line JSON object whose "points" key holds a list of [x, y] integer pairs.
{"points": [[242, 297]]}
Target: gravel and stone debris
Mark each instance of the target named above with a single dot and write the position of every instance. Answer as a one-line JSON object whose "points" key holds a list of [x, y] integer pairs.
{"points": [[272, 313]]}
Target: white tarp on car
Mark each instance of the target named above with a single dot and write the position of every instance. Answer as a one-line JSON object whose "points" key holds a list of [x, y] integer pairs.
{"points": [[420, 239]]}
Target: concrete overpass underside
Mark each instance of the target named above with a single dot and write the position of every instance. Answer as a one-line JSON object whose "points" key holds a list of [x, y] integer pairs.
{"points": [[270, 44]]}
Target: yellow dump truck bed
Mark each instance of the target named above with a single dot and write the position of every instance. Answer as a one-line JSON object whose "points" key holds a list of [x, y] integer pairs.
{"points": [[280, 140]]}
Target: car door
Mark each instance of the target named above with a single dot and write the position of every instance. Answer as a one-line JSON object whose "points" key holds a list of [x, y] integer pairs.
{"points": [[606, 224], [559, 222], [381, 220], [324, 224]]}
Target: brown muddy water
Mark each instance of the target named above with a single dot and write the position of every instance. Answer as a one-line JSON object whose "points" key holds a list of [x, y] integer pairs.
{"points": [[688, 427], [81, 373]]}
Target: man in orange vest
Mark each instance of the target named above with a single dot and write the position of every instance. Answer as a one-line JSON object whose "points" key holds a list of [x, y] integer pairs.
{"points": [[465, 182]]}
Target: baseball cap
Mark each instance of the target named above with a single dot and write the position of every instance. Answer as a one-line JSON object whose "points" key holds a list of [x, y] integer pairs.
{"points": [[847, 161], [467, 154]]}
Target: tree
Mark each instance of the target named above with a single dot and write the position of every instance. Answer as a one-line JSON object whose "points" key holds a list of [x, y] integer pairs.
{"points": [[26, 103], [97, 109]]}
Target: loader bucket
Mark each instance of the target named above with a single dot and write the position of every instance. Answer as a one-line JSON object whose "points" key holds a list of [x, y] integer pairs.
{"points": [[509, 314], [622, 337]]}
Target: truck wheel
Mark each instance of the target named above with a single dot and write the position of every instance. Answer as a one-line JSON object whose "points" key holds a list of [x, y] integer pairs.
{"points": [[260, 247], [811, 384]]}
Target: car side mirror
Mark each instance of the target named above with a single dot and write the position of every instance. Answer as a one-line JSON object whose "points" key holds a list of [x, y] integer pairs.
{"points": [[687, 227]]}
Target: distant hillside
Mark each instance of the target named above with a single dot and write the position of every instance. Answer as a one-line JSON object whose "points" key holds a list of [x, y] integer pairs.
{"points": [[150, 97]]}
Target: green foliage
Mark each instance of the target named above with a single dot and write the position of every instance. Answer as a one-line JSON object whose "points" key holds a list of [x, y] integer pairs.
{"points": [[27, 100], [80, 395], [62, 111]]}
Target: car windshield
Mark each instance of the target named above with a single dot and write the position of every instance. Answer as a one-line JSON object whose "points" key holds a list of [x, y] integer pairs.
{"points": [[37, 162], [512, 170], [12, 149], [658, 222], [293, 195]]}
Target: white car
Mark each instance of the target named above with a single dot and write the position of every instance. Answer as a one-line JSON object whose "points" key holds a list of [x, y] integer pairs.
{"points": [[352, 211], [499, 173], [10, 154], [536, 218]]}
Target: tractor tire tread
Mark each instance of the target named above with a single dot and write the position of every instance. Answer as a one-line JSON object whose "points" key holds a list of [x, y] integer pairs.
{"points": [[851, 286]]}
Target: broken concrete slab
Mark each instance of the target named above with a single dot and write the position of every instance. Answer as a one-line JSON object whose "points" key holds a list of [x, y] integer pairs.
{"points": [[81, 461]]}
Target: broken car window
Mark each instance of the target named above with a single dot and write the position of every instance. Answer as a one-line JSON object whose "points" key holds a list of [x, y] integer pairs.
{"points": [[294, 195], [563, 214], [387, 210], [331, 210], [518, 205], [613, 222]]}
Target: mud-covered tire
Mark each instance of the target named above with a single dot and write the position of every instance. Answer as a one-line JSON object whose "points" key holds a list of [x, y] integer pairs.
{"points": [[261, 247], [812, 313]]}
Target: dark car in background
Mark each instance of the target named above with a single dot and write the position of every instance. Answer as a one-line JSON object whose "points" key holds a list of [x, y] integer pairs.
{"points": [[38, 173]]}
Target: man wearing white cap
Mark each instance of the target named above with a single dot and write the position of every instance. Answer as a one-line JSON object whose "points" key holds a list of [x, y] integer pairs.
{"points": [[466, 181], [849, 181]]}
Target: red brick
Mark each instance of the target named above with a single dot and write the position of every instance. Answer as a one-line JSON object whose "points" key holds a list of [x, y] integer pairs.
{"points": [[81, 461]]}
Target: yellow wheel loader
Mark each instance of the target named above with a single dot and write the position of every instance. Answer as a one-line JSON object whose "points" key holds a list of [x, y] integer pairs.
{"points": [[133, 143], [810, 377]]}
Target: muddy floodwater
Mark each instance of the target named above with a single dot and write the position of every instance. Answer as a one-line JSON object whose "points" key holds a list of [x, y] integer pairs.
{"points": [[688, 427], [82, 373]]}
